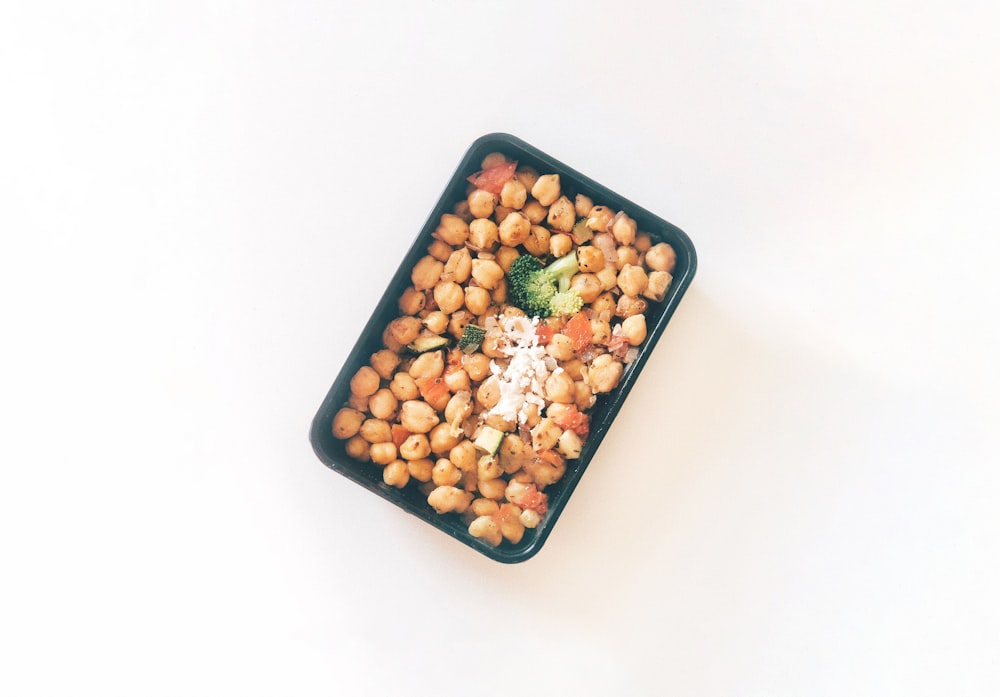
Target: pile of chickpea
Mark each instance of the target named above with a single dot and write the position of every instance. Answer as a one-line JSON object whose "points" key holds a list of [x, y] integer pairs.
{"points": [[417, 416]]}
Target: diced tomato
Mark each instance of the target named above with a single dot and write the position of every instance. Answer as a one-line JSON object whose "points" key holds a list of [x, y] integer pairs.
{"points": [[544, 332], [399, 434], [493, 178], [578, 329], [574, 420], [432, 389], [534, 499]]}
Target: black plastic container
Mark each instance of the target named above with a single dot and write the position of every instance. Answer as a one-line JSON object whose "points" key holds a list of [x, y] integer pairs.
{"points": [[368, 475]]}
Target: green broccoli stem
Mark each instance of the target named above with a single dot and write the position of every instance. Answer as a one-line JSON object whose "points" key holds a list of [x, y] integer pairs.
{"points": [[563, 269]]}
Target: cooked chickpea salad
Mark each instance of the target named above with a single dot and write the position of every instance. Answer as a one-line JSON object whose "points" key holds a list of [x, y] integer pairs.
{"points": [[527, 306]]}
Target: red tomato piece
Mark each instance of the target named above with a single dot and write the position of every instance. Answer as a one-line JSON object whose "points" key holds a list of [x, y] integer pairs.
{"points": [[578, 329], [399, 434], [574, 420], [493, 178], [544, 333]]}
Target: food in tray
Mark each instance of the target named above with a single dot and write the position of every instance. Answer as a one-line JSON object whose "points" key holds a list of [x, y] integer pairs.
{"points": [[527, 306]]}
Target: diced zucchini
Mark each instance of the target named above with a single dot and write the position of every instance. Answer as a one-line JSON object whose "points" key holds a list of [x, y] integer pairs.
{"points": [[489, 439], [424, 344]]}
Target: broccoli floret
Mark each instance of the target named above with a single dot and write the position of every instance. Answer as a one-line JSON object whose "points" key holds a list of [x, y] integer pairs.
{"points": [[566, 303], [534, 288], [472, 337]]}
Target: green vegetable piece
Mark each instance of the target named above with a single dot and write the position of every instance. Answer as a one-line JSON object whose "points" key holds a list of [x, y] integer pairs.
{"points": [[489, 439], [533, 287], [472, 337], [424, 344]]}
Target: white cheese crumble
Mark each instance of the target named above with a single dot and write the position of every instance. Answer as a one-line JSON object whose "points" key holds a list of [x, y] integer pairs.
{"points": [[523, 371]]}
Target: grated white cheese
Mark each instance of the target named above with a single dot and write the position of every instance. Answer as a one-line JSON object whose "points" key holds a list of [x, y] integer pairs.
{"points": [[523, 371]]}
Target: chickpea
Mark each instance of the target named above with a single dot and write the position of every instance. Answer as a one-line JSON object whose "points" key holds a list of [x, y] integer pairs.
{"points": [[500, 292], [417, 416], [562, 215], [477, 299], [436, 322], [481, 204], [483, 234], [604, 374], [403, 387], [545, 435], [546, 189], [560, 244], [634, 329], [384, 362], [375, 430], [445, 473], [487, 273], [632, 280], [426, 273], [458, 409], [661, 257], [382, 453], [486, 529], [365, 382], [346, 423], [427, 365], [626, 255], [396, 474], [420, 469], [608, 277], [458, 267], [534, 212], [415, 447], [456, 379], [659, 284], [529, 518], [488, 467], [629, 305], [461, 209], [574, 368], [500, 423], [509, 520], [537, 241], [623, 228], [357, 447], [445, 499], [492, 488], [559, 387], [464, 456], [643, 242], [527, 176], [405, 329], [560, 347], [505, 256], [383, 404], [493, 159], [412, 301], [514, 229], [583, 205], [449, 296], [513, 194], [590, 258], [485, 507], [601, 331], [587, 285], [512, 453], [488, 393], [599, 218], [439, 250], [477, 365], [544, 472], [443, 438], [358, 402]]}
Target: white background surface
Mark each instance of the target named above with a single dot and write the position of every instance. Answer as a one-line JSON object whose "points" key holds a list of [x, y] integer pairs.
{"points": [[201, 203]]}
